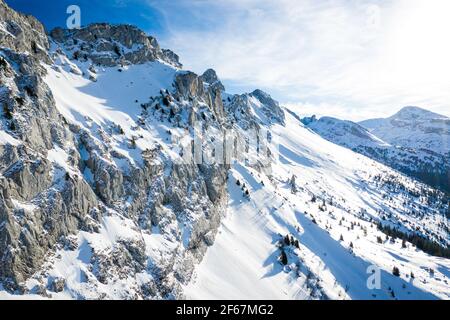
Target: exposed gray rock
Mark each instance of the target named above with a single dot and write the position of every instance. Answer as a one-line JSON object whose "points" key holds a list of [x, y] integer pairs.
{"points": [[42, 291], [112, 45], [126, 258], [190, 86], [58, 284], [210, 77], [158, 193], [61, 206], [270, 107], [22, 33]]}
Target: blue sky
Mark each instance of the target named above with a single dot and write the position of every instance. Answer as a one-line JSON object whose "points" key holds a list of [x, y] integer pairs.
{"points": [[353, 59], [53, 12]]}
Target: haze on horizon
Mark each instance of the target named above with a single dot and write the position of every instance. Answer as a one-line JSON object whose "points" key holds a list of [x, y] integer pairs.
{"points": [[350, 59]]}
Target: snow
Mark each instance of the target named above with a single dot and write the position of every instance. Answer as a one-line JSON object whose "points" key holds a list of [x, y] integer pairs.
{"points": [[72, 265], [346, 133], [112, 97], [4, 30], [24, 206], [413, 127], [112, 101], [59, 156], [6, 138], [243, 262]]}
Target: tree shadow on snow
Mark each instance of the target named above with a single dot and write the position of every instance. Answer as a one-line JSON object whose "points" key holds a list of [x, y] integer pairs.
{"points": [[350, 271]]}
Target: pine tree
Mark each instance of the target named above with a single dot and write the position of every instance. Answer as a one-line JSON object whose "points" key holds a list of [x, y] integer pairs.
{"points": [[293, 184], [166, 101], [3, 62], [117, 50], [396, 272], [133, 143], [287, 241], [238, 183], [341, 238], [351, 245], [283, 258]]}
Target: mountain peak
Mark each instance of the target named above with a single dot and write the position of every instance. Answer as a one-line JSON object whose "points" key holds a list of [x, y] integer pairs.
{"points": [[265, 98], [109, 45], [271, 107], [210, 77], [412, 112]]}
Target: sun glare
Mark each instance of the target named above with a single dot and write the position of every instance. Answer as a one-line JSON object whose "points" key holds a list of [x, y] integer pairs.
{"points": [[418, 49]]}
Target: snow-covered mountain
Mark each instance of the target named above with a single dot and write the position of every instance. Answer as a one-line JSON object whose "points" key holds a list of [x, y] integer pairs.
{"points": [[414, 128], [414, 141], [123, 176]]}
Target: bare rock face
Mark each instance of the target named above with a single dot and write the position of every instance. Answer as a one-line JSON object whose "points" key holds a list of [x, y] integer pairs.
{"points": [[242, 109], [210, 77], [58, 284], [47, 203], [189, 85], [112, 45], [22, 33], [61, 203]]}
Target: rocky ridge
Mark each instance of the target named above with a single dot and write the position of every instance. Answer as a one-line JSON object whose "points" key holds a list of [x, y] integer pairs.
{"points": [[48, 206], [111, 45]]}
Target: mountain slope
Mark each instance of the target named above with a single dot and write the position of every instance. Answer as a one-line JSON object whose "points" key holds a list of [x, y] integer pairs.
{"points": [[88, 170], [116, 175], [415, 128], [427, 134], [244, 261], [414, 141]]}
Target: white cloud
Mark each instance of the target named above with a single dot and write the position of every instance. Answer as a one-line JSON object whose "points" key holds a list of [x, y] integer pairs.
{"points": [[370, 57]]}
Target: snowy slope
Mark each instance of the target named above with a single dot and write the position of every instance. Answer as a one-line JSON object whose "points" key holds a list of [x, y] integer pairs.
{"points": [[113, 100], [344, 132], [95, 204], [243, 263]]}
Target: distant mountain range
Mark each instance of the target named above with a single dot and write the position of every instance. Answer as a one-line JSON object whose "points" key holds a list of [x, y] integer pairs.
{"points": [[414, 141]]}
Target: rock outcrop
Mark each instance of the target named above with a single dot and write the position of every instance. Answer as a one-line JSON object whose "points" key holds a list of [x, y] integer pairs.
{"points": [[43, 203], [22, 33], [62, 183], [112, 45]]}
